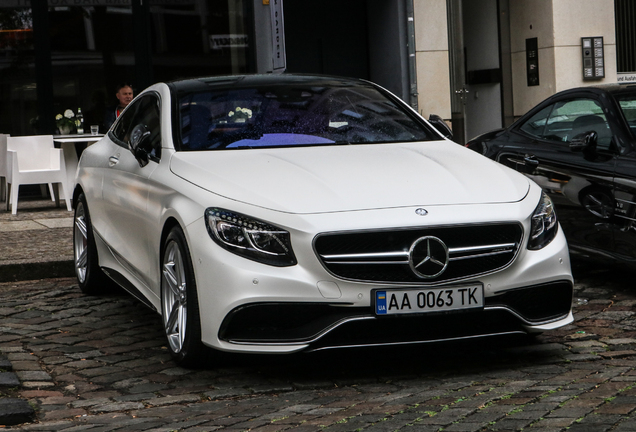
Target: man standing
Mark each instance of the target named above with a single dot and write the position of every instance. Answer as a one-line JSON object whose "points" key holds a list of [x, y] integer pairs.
{"points": [[124, 95]]}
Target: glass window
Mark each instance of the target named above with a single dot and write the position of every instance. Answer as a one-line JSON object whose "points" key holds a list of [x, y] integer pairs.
{"points": [[625, 16], [627, 103], [216, 41], [18, 101], [293, 115], [143, 111], [92, 51], [564, 120], [535, 126]]}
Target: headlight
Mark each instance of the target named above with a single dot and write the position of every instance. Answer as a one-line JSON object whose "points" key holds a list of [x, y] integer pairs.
{"points": [[543, 226], [250, 238]]}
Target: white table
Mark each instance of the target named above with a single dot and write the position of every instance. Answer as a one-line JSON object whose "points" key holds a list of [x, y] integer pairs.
{"points": [[67, 144]]}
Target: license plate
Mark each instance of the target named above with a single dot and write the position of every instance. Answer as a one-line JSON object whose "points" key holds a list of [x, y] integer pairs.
{"points": [[393, 302]]}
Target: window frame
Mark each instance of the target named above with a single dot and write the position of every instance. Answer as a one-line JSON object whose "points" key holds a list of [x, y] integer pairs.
{"points": [[551, 104], [133, 111]]}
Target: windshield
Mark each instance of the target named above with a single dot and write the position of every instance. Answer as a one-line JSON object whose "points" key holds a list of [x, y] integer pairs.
{"points": [[294, 115], [627, 103]]}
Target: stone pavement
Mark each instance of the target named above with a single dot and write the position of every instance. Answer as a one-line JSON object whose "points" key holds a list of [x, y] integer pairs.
{"points": [[35, 243], [100, 364]]}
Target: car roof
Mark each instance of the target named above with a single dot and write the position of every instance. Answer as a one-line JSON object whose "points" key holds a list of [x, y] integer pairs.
{"points": [[262, 80], [613, 89]]}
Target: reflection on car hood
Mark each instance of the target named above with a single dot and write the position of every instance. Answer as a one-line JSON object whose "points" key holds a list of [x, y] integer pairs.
{"points": [[340, 178]]}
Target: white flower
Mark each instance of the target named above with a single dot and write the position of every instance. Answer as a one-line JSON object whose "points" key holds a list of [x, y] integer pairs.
{"points": [[58, 117], [69, 114], [231, 113], [245, 111]]}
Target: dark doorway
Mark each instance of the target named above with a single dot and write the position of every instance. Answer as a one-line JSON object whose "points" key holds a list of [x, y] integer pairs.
{"points": [[357, 38], [327, 37]]}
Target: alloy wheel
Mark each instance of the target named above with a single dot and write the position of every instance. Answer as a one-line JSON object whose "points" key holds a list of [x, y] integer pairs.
{"points": [[174, 297], [80, 243]]}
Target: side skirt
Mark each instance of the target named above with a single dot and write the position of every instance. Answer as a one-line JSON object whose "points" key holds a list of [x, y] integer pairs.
{"points": [[121, 280]]}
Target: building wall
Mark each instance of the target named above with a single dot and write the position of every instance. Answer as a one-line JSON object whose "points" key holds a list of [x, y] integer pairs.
{"points": [[431, 45], [558, 26]]}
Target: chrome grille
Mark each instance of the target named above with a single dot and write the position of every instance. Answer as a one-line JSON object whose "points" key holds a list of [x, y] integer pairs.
{"points": [[383, 256]]}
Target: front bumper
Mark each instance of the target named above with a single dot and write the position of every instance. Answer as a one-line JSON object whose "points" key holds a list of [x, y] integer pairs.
{"points": [[321, 326], [250, 307]]}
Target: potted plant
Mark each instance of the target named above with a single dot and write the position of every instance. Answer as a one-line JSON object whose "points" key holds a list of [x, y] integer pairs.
{"points": [[66, 123]]}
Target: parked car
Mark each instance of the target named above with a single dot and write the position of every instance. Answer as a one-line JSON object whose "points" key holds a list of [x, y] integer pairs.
{"points": [[282, 213], [579, 146]]}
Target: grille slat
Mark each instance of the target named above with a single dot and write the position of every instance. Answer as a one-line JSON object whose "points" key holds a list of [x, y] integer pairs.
{"points": [[383, 256]]}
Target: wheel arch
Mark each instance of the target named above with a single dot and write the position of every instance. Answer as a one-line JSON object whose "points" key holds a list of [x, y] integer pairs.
{"points": [[170, 223], [76, 193]]}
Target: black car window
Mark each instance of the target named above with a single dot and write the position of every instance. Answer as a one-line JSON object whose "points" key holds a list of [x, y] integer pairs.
{"points": [[143, 111], [294, 115], [563, 120], [627, 103], [535, 126]]}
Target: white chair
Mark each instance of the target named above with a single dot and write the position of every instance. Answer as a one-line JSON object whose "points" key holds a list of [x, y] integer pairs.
{"points": [[3, 171], [3, 167], [34, 160]]}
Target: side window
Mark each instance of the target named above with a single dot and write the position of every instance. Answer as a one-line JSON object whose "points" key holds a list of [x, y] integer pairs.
{"points": [[564, 120], [535, 126], [144, 111]]}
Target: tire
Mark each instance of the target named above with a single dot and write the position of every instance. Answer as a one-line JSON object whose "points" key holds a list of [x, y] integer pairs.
{"points": [[179, 302], [90, 276]]}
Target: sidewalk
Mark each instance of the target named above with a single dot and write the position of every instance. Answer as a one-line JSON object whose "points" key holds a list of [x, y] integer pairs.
{"points": [[36, 243]]}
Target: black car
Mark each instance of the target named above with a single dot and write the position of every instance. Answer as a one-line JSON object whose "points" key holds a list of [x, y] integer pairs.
{"points": [[580, 147]]}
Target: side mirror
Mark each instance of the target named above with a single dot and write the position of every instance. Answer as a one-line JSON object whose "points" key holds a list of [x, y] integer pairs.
{"points": [[140, 144], [585, 143], [438, 123]]}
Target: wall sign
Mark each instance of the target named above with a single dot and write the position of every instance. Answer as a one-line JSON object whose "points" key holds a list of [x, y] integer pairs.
{"points": [[532, 61], [278, 35], [593, 58], [218, 42]]}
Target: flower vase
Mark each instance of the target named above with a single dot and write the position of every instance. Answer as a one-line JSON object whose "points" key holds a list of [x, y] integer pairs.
{"points": [[64, 130]]}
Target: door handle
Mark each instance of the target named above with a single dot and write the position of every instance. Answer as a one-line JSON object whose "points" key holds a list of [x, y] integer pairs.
{"points": [[113, 160], [530, 160]]}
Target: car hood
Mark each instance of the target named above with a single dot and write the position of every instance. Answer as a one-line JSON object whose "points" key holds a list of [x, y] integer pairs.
{"points": [[354, 177]]}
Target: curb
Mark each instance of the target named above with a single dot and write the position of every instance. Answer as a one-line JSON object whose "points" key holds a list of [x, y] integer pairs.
{"points": [[35, 271], [13, 411]]}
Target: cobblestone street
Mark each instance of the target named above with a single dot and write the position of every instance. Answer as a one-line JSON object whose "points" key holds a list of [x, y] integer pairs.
{"points": [[100, 364]]}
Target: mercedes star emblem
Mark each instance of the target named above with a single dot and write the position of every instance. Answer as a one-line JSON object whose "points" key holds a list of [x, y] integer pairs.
{"points": [[428, 257]]}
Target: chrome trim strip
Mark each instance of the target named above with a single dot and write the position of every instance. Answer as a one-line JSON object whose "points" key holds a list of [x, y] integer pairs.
{"points": [[367, 255], [480, 255], [524, 321], [626, 201], [625, 217], [366, 262], [480, 248], [360, 258], [513, 332]]}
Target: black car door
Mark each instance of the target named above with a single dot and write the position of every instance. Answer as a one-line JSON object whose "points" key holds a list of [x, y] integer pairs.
{"points": [[579, 183]]}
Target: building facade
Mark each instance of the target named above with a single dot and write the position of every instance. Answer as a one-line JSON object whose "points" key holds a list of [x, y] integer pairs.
{"points": [[479, 64]]}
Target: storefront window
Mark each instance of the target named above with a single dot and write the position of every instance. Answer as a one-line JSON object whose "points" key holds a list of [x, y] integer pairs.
{"points": [[17, 78], [92, 50], [216, 42]]}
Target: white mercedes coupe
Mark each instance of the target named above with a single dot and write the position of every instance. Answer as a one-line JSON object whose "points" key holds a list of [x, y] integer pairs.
{"points": [[282, 213]]}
